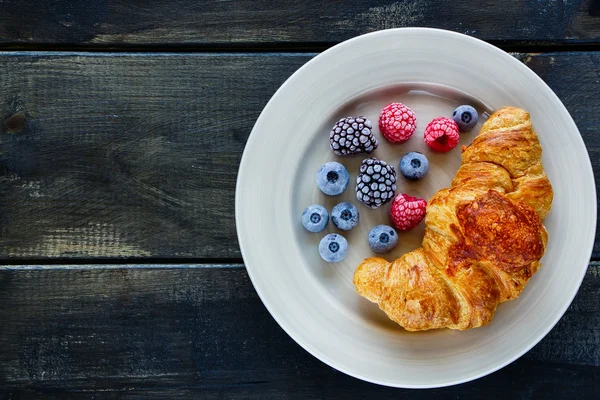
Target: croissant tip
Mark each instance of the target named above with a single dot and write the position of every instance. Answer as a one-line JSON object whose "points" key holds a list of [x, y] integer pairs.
{"points": [[512, 112]]}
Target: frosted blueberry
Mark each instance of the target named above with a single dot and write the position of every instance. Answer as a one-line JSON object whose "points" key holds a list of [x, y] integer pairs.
{"points": [[315, 218], [383, 238], [333, 247], [345, 216], [465, 117], [333, 178], [414, 165]]}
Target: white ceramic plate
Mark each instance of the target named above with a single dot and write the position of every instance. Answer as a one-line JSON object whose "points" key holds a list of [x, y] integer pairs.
{"points": [[431, 71]]}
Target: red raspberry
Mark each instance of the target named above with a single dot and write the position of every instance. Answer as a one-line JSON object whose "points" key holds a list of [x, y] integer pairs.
{"points": [[397, 122], [441, 134], [407, 212]]}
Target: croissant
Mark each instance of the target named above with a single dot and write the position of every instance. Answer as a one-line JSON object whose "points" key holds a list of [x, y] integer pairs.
{"points": [[484, 236]]}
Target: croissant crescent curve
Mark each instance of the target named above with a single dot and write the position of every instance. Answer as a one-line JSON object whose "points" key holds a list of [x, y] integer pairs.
{"points": [[484, 236]]}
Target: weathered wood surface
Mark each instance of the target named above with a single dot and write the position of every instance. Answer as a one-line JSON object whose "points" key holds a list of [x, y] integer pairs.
{"points": [[200, 331], [127, 156], [135, 156], [269, 22]]}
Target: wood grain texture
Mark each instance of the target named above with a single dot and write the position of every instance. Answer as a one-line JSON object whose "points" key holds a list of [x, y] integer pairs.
{"points": [[127, 156], [268, 22], [201, 331], [135, 156]]}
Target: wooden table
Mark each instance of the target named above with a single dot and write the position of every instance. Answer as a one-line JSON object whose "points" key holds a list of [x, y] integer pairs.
{"points": [[122, 126]]}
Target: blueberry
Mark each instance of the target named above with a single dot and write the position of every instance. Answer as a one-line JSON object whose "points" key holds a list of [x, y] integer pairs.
{"points": [[414, 165], [333, 178], [345, 216], [383, 238], [333, 247], [465, 117], [315, 218]]}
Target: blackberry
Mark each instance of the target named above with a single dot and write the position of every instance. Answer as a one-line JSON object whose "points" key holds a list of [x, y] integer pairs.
{"points": [[352, 135], [376, 183]]}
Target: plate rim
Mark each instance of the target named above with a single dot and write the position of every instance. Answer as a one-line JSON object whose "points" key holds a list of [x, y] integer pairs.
{"points": [[241, 176]]}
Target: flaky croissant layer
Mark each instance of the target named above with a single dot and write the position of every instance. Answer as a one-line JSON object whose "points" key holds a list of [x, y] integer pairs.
{"points": [[484, 236]]}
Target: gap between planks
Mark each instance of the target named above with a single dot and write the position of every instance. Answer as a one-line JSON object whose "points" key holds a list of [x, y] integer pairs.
{"points": [[295, 47], [71, 266]]}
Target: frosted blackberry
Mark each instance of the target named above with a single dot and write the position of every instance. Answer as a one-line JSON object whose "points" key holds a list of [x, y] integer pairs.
{"points": [[352, 135], [376, 183]]}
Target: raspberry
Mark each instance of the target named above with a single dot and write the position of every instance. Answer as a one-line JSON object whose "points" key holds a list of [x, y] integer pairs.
{"points": [[407, 212], [441, 134], [397, 122]]}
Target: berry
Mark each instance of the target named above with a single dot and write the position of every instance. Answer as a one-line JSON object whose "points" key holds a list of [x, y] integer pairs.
{"points": [[315, 218], [383, 238], [407, 212], [345, 216], [333, 247], [441, 134], [376, 183], [414, 165], [397, 122], [352, 135], [465, 117], [333, 178]]}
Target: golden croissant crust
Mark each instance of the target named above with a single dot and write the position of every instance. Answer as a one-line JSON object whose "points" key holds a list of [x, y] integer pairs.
{"points": [[484, 236]]}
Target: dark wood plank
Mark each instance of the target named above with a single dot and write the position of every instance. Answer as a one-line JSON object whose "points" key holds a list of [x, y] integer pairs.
{"points": [[201, 331], [575, 88], [266, 22], [521, 380], [127, 156], [136, 156]]}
